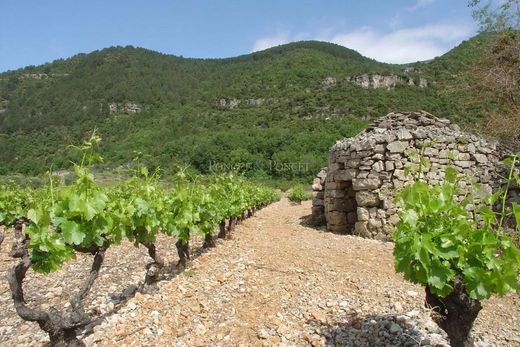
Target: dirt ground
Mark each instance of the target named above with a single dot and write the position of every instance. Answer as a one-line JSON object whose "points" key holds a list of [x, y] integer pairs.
{"points": [[276, 282]]}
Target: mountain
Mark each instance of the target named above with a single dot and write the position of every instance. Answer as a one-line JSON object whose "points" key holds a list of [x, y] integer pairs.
{"points": [[272, 113]]}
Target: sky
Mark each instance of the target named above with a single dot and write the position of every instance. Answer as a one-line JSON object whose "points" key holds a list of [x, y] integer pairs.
{"points": [[33, 32]]}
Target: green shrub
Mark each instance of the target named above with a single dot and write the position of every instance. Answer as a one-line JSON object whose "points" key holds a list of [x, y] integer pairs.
{"points": [[298, 194]]}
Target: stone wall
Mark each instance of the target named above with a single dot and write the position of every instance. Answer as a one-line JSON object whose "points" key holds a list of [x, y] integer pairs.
{"points": [[318, 206], [356, 194]]}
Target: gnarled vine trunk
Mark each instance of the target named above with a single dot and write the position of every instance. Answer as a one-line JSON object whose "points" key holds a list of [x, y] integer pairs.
{"points": [[455, 313], [155, 269], [209, 241], [61, 327], [222, 230], [231, 224], [183, 250], [20, 240]]}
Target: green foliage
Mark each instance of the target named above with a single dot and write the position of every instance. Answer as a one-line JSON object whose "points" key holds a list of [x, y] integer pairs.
{"points": [[437, 239], [88, 215], [13, 203], [296, 121], [137, 208], [298, 194], [76, 217]]}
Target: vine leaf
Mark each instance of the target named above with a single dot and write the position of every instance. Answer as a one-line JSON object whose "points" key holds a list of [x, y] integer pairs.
{"points": [[72, 233]]}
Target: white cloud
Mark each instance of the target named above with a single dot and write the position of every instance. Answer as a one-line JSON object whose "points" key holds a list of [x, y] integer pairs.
{"points": [[404, 45], [268, 42], [418, 4], [397, 46]]}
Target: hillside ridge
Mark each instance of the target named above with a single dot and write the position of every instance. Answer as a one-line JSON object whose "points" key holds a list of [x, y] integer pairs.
{"points": [[323, 46], [135, 97]]}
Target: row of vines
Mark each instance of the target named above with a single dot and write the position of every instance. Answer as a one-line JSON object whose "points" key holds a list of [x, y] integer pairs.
{"points": [[53, 223]]}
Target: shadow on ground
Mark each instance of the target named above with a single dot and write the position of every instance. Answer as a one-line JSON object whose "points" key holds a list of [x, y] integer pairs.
{"points": [[309, 221], [119, 299]]}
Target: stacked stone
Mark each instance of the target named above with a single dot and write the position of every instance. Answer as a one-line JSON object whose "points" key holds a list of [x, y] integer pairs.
{"points": [[318, 193], [364, 172]]}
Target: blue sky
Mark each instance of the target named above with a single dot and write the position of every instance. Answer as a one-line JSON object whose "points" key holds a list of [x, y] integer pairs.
{"points": [[33, 32]]}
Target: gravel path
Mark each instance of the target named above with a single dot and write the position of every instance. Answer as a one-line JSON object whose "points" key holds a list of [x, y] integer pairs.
{"points": [[275, 282]]}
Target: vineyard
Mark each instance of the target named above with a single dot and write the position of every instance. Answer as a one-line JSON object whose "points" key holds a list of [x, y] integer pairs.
{"points": [[53, 223], [459, 259]]}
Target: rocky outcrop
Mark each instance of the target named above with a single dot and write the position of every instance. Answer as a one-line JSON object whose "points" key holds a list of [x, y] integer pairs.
{"points": [[374, 81], [228, 103], [43, 76], [231, 103], [329, 82], [256, 102], [129, 107], [364, 172], [385, 81]]}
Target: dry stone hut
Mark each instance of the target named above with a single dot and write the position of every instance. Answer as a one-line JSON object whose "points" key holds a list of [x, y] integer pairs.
{"points": [[354, 194]]}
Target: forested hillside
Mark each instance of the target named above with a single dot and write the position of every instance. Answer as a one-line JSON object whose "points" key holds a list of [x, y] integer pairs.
{"points": [[287, 104]]}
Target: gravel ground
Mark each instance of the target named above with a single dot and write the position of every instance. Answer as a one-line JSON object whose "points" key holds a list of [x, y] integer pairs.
{"points": [[275, 283]]}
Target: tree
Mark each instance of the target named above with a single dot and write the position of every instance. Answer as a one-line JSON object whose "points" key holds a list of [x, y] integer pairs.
{"points": [[498, 77], [498, 72], [496, 15]]}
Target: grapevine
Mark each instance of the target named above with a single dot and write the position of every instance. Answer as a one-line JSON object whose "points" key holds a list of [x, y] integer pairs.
{"points": [[89, 217], [460, 259]]}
